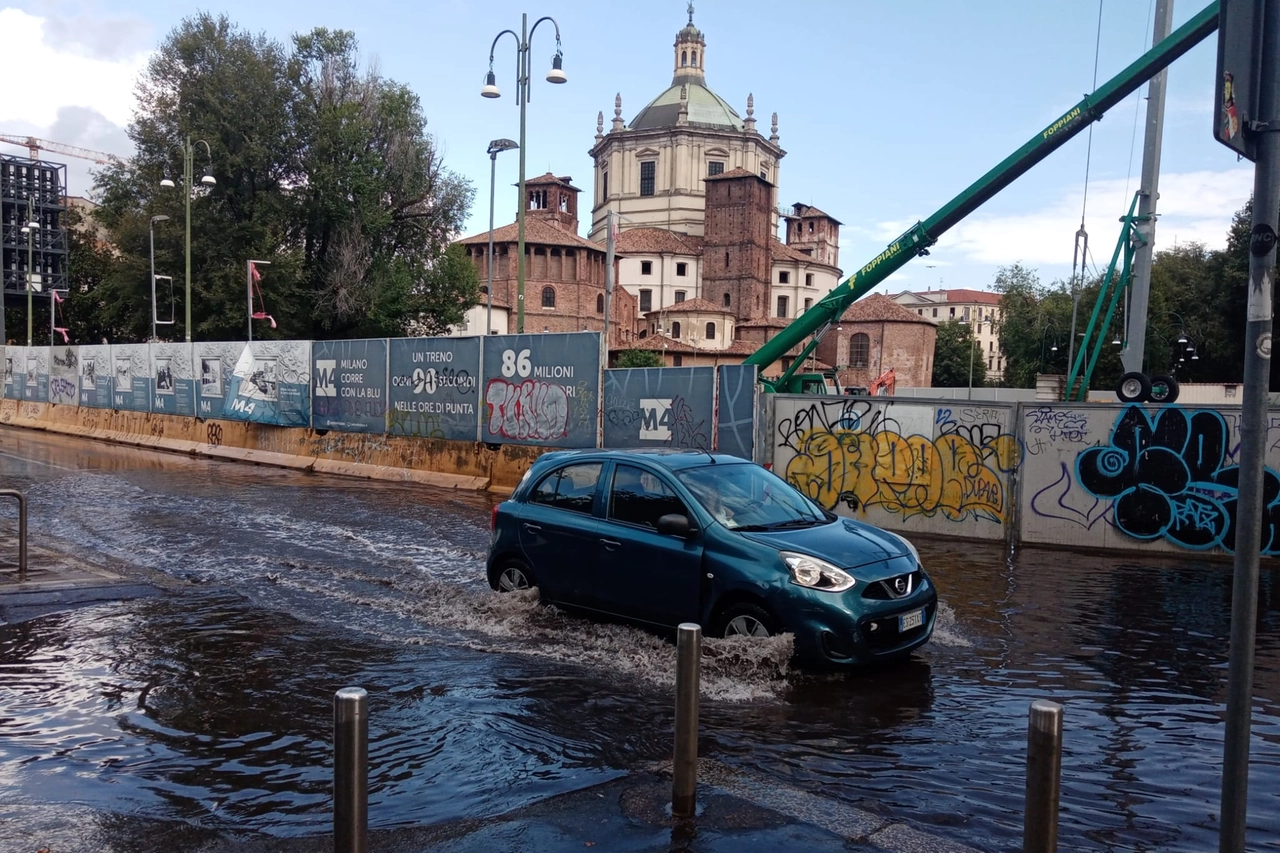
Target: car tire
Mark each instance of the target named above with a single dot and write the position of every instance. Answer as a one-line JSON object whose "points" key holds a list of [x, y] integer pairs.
{"points": [[511, 574], [746, 620]]}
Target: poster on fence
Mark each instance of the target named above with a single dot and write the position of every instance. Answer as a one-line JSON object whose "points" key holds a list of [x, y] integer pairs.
{"points": [[64, 370], [737, 399], [349, 385], [173, 379], [212, 363], [131, 377], [12, 357], [542, 389], [269, 383], [434, 388], [35, 375], [95, 376], [659, 407]]}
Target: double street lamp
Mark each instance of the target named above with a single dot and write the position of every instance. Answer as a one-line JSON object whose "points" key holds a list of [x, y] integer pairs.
{"points": [[490, 90], [151, 230], [496, 147], [188, 186], [30, 230]]}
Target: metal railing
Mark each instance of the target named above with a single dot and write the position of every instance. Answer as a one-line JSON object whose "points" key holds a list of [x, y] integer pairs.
{"points": [[22, 529]]}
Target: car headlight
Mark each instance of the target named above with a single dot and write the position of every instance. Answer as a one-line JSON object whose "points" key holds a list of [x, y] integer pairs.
{"points": [[816, 574], [915, 555]]}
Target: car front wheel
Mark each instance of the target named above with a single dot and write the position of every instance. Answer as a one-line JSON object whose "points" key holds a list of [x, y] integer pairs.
{"points": [[511, 575], [746, 620]]}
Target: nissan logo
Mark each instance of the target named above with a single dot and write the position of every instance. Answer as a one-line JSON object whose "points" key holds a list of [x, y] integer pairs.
{"points": [[900, 585]]}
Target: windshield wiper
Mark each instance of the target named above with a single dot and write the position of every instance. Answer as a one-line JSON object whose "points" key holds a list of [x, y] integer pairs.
{"points": [[781, 525]]}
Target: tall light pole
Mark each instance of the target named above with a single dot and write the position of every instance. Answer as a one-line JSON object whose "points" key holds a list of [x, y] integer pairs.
{"points": [[972, 343], [151, 229], [30, 230], [207, 179], [496, 147], [490, 90]]}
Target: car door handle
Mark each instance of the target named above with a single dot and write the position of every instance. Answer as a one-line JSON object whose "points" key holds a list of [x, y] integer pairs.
{"points": [[611, 544], [532, 528]]}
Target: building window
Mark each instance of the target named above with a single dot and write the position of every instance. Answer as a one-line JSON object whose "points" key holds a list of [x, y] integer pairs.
{"points": [[694, 61], [991, 364], [764, 173], [715, 167], [646, 301], [675, 329], [681, 296], [808, 279], [726, 300], [684, 58], [682, 269], [646, 268], [991, 346], [782, 306], [784, 278], [599, 303], [537, 199], [484, 288], [966, 313], [935, 312], [859, 350], [647, 171], [677, 360], [604, 185], [711, 331], [726, 260], [920, 311], [548, 297], [953, 312], [808, 303]]}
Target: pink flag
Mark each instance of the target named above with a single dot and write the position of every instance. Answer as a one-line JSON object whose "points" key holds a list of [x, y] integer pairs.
{"points": [[253, 271]]}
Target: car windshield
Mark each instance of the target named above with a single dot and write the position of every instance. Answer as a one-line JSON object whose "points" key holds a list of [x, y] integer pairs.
{"points": [[747, 497]]}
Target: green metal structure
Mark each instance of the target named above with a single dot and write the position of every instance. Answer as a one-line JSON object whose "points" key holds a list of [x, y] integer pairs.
{"points": [[917, 240]]}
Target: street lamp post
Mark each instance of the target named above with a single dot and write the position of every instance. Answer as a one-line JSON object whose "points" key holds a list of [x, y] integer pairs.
{"points": [[972, 343], [496, 147], [490, 90], [207, 179], [160, 217], [30, 230]]}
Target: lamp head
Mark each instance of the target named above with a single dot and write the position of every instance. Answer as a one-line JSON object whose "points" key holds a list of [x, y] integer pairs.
{"points": [[1182, 337], [159, 217], [167, 182], [556, 74], [208, 179], [1053, 348], [490, 89], [1117, 342], [497, 146]]}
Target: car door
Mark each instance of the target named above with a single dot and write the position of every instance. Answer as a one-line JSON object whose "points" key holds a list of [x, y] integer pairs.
{"points": [[640, 573], [558, 531]]}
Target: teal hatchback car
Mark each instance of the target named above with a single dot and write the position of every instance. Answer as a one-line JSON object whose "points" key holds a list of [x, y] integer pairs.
{"points": [[665, 537]]}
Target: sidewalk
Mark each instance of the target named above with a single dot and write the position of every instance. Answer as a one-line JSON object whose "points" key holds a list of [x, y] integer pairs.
{"points": [[55, 581]]}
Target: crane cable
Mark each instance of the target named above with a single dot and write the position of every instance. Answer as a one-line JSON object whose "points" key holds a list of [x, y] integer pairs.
{"points": [[1080, 252]]}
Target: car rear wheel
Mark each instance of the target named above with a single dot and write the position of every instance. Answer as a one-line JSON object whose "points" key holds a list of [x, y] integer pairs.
{"points": [[746, 620], [511, 575]]}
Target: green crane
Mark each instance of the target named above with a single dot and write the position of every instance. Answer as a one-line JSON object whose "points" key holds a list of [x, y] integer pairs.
{"points": [[917, 239]]}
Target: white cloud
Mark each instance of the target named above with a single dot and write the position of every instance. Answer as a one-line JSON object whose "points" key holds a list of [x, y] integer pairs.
{"points": [[1193, 206]]}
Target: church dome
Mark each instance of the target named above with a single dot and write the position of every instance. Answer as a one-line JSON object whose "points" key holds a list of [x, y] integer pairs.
{"points": [[706, 109]]}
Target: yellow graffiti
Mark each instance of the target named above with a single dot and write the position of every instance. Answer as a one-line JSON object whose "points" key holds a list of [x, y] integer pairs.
{"points": [[911, 475]]}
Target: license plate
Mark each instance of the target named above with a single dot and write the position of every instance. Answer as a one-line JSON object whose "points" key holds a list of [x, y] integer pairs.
{"points": [[907, 621]]}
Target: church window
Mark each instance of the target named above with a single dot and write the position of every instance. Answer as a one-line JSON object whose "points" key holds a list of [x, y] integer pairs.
{"points": [[681, 296], [648, 171], [715, 167], [599, 303], [808, 279], [695, 59], [808, 303], [859, 350], [646, 301], [684, 58], [726, 260], [711, 331], [604, 185], [782, 306], [677, 361], [646, 268], [548, 297], [935, 312], [682, 269], [537, 199], [726, 300], [811, 227], [784, 277], [675, 329]]}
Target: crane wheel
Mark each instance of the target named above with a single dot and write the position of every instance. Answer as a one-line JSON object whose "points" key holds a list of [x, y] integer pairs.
{"points": [[1134, 387]]}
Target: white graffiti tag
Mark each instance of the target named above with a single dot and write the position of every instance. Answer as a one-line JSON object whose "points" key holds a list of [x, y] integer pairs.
{"points": [[528, 410]]}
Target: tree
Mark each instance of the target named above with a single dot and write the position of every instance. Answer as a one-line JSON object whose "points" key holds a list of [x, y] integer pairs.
{"points": [[956, 357], [323, 170], [639, 358]]}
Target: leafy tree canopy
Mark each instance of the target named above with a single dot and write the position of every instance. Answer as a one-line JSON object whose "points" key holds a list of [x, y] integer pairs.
{"points": [[957, 357], [639, 358]]}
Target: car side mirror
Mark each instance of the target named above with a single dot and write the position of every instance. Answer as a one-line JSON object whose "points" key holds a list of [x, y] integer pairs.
{"points": [[675, 524]]}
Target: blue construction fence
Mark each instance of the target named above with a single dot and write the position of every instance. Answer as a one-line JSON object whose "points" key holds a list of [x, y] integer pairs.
{"points": [[535, 389]]}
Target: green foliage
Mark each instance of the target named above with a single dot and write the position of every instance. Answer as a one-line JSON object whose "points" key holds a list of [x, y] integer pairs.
{"points": [[957, 356], [322, 169], [639, 358]]}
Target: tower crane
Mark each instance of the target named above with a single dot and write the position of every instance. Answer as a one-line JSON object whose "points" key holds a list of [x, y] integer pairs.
{"points": [[35, 146]]}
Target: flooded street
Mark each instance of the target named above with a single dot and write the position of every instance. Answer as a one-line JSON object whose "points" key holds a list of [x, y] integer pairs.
{"points": [[209, 704]]}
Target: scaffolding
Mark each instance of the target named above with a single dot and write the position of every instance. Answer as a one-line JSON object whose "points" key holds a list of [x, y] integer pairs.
{"points": [[42, 185]]}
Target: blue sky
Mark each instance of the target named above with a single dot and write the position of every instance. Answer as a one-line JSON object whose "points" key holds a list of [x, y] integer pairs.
{"points": [[886, 110]]}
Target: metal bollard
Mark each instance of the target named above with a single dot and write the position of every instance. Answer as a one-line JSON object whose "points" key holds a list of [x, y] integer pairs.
{"points": [[1044, 776], [684, 786], [350, 770]]}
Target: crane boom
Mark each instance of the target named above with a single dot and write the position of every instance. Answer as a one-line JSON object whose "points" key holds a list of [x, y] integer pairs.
{"points": [[35, 146], [917, 239]]}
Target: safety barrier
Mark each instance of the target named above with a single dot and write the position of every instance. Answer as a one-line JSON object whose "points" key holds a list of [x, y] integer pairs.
{"points": [[22, 529]]}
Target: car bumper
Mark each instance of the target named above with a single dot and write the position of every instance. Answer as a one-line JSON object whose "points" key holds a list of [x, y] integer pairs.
{"points": [[838, 631]]}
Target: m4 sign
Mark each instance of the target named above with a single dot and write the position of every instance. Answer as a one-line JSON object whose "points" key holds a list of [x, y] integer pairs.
{"points": [[655, 419]]}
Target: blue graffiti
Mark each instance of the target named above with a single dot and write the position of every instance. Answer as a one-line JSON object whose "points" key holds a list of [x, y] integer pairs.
{"points": [[1170, 477]]}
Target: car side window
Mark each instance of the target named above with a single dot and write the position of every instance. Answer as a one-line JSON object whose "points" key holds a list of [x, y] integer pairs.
{"points": [[638, 497], [572, 487]]}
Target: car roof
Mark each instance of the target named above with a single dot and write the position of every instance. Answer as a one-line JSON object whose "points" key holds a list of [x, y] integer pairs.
{"points": [[672, 458]]}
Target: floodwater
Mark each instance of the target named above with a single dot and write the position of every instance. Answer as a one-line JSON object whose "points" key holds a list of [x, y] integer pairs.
{"points": [[210, 705]]}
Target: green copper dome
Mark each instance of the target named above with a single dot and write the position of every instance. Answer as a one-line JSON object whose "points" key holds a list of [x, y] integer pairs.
{"points": [[706, 109]]}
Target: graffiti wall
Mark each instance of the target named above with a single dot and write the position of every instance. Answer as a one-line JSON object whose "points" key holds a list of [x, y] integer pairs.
{"points": [[349, 385], [434, 388], [912, 466], [95, 376], [131, 381], [1159, 478], [659, 407], [541, 389], [173, 379], [64, 370]]}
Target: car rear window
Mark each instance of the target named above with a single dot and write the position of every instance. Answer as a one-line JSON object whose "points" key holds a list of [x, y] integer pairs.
{"points": [[572, 487]]}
